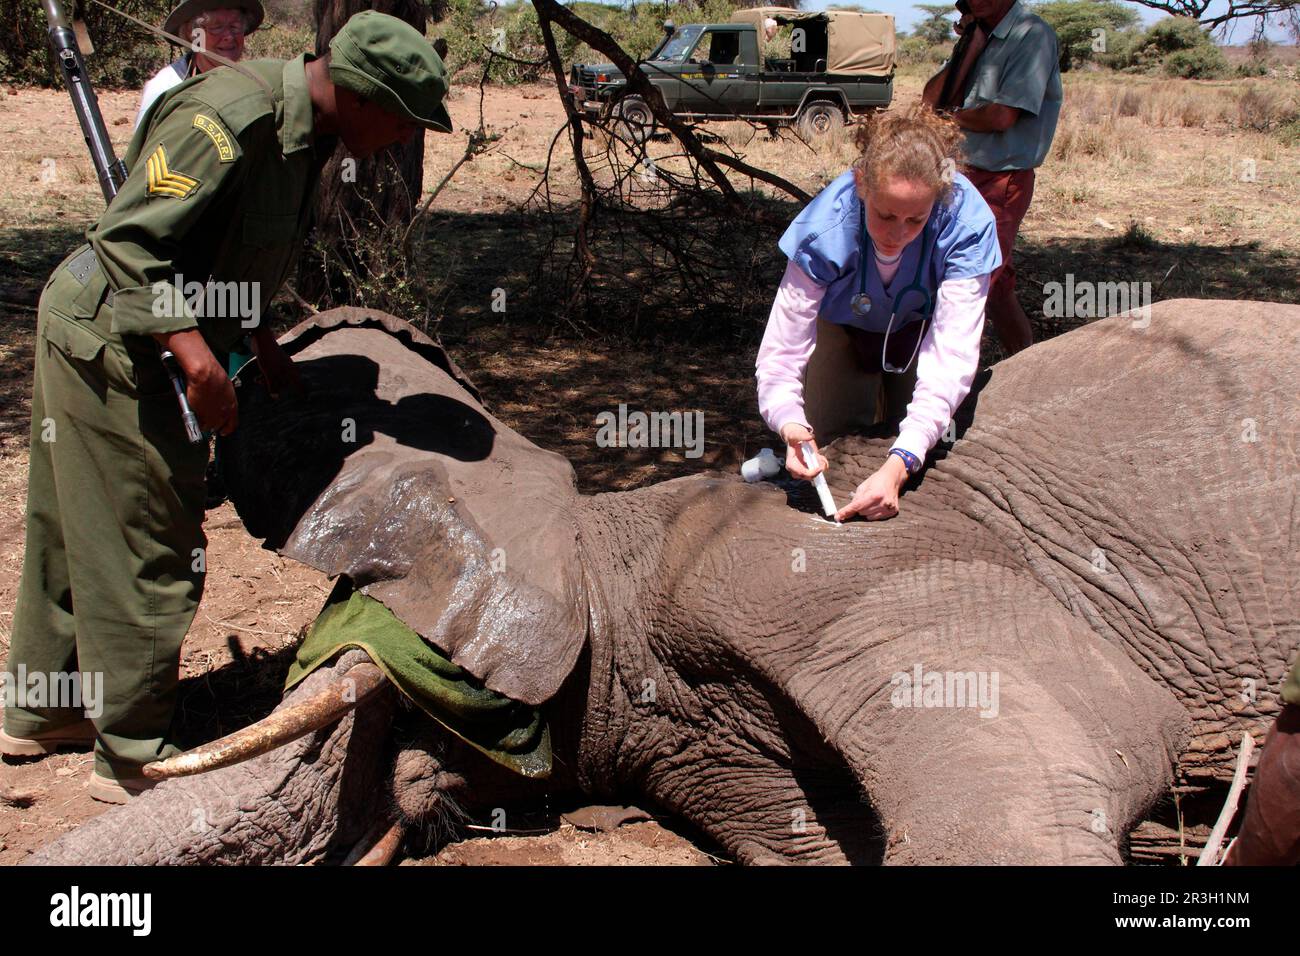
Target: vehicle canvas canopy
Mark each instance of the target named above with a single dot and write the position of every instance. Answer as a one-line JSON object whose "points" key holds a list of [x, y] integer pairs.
{"points": [[856, 43]]}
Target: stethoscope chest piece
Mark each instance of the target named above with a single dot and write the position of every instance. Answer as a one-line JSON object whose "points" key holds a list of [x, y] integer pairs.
{"points": [[860, 302]]}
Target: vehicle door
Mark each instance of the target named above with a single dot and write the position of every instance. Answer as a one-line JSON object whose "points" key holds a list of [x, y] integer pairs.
{"points": [[721, 73], [665, 66]]}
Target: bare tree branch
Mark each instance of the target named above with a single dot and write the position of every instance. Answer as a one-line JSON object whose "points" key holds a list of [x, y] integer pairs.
{"points": [[639, 83], [1285, 12], [586, 259]]}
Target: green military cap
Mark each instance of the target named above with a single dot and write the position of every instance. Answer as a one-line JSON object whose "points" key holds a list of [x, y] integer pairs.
{"points": [[388, 61]]}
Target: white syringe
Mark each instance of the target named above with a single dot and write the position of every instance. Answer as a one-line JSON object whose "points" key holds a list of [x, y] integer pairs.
{"points": [[819, 482]]}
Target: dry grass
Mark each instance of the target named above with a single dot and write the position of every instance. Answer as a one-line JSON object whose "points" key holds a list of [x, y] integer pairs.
{"points": [[1261, 105], [1267, 107], [1187, 159], [1109, 139]]}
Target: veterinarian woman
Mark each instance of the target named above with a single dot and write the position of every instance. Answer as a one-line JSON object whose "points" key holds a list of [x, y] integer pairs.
{"points": [[881, 305]]}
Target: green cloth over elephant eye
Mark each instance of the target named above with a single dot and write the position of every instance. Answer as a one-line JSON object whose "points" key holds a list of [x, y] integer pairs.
{"points": [[509, 732], [1291, 687]]}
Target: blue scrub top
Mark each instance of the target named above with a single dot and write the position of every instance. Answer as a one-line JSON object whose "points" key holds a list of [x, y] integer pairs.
{"points": [[824, 239]]}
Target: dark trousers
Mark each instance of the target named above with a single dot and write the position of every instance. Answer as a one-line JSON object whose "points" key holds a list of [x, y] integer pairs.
{"points": [[845, 389]]}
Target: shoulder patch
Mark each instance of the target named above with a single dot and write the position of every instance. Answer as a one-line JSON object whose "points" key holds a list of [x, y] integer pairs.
{"points": [[215, 132], [164, 181]]}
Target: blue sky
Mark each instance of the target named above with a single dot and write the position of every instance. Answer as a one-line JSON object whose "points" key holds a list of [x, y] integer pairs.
{"points": [[906, 15]]}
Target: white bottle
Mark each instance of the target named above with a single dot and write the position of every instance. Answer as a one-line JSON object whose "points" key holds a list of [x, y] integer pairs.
{"points": [[763, 465]]}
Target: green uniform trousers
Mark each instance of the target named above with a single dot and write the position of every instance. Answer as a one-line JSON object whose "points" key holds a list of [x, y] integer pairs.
{"points": [[113, 569]]}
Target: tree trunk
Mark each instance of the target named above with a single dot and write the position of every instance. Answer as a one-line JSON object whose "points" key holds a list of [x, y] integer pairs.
{"points": [[359, 200]]}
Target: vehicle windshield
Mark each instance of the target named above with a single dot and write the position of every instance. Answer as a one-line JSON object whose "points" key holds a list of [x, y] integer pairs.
{"points": [[679, 44]]}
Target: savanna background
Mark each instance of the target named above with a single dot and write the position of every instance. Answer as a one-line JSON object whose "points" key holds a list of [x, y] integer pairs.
{"points": [[1176, 162]]}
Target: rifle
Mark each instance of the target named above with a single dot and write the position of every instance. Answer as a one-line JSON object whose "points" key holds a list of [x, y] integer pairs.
{"points": [[68, 48], [69, 45]]}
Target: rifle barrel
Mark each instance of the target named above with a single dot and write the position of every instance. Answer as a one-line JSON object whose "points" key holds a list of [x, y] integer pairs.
{"points": [[110, 170]]}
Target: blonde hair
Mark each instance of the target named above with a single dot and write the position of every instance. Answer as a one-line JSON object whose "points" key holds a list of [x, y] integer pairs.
{"points": [[916, 144]]}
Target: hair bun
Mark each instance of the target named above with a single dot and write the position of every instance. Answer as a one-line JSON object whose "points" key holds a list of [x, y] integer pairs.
{"points": [[916, 144]]}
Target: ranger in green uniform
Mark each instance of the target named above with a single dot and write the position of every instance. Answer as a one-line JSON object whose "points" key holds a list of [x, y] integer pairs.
{"points": [[223, 171]]}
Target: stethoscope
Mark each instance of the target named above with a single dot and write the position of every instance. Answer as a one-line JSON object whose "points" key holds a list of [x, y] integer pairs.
{"points": [[860, 303]]}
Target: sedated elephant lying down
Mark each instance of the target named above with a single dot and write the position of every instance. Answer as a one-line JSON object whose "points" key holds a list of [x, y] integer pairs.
{"points": [[1109, 545]]}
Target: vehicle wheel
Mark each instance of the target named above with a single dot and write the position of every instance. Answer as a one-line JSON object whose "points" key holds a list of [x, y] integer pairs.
{"points": [[635, 121], [819, 118]]}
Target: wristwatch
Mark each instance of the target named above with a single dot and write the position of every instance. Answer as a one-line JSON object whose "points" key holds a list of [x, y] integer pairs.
{"points": [[910, 461]]}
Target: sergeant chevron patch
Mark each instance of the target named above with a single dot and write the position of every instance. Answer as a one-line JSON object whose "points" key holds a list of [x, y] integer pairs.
{"points": [[164, 181]]}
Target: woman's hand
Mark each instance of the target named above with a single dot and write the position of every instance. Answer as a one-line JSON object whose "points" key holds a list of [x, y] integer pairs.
{"points": [[877, 497], [792, 434]]}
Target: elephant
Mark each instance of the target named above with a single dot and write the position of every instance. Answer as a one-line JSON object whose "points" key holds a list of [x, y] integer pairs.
{"points": [[1087, 597]]}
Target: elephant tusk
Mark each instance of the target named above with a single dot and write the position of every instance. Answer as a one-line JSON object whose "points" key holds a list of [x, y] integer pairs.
{"points": [[378, 846], [277, 728]]}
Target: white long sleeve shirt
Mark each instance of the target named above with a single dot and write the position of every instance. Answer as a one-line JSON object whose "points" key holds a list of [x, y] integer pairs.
{"points": [[945, 366], [173, 74]]}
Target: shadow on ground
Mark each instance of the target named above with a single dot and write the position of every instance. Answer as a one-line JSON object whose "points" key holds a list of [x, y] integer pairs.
{"points": [[222, 700], [549, 375]]}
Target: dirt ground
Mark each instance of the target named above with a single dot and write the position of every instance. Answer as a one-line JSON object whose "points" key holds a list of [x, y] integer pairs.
{"points": [[1157, 198]]}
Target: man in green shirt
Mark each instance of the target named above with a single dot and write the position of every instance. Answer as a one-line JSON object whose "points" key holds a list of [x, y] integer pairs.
{"points": [[223, 173], [1003, 88]]}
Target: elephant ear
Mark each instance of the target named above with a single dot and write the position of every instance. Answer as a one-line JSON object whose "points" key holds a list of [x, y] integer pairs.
{"points": [[389, 471]]}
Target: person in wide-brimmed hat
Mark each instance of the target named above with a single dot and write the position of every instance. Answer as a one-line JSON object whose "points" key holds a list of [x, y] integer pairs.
{"points": [[219, 26]]}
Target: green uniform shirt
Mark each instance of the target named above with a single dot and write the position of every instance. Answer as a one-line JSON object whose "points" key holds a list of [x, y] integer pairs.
{"points": [[216, 206], [222, 176]]}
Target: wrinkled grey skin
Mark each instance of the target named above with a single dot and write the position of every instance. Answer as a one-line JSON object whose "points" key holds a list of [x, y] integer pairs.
{"points": [[1113, 536]]}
